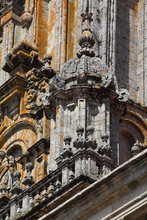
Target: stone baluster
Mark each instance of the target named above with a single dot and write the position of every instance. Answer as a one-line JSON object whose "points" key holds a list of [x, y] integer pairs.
{"points": [[44, 194], [67, 153], [7, 217], [92, 169], [135, 149], [16, 184], [16, 190], [86, 155], [31, 202], [106, 151], [38, 199], [79, 142], [71, 175], [51, 190], [58, 185], [59, 161], [28, 182], [19, 210], [91, 166], [90, 141], [78, 166]]}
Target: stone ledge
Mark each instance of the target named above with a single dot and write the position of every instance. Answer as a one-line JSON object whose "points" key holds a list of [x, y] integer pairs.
{"points": [[97, 188]]}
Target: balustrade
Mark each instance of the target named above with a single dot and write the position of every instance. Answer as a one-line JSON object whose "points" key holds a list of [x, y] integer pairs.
{"points": [[88, 161]]}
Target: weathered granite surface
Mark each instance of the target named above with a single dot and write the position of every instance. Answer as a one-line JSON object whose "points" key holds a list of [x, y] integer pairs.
{"points": [[73, 109]]}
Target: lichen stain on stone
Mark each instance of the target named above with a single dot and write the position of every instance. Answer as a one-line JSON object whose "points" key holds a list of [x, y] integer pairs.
{"points": [[51, 32], [72, 28], [7, 17], [42, 30]]}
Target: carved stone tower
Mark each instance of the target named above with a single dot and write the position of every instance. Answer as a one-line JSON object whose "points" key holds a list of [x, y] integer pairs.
{"points": [[73, 109]]}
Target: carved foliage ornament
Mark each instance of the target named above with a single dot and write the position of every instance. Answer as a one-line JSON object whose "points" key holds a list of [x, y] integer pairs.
{"points": [[38, 83]]}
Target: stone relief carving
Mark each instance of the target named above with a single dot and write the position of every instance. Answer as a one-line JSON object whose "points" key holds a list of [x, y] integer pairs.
{"points": [[38, 87], [32, 77], [123, 95], [46, 70], [31, 98], [85, 69]]}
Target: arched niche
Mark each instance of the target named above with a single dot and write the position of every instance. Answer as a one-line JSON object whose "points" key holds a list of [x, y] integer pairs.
{"points": [[15, 151], [22, 133], [129, 134], [15, 144]]}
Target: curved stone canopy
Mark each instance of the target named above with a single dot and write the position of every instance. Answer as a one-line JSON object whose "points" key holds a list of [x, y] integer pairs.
{"points": [[90, 67], [87, 65]]}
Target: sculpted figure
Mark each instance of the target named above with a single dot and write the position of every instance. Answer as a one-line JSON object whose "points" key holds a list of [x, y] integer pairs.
{"points": [[31, 98], [7, 167], [47, 70]]}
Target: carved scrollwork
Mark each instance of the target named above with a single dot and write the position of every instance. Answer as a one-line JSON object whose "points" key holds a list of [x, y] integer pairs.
{"points": [[32, 77], [39, 86]]}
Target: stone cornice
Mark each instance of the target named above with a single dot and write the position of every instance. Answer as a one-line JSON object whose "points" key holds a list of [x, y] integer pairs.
{"points": [[123, 178], [119, 182]]}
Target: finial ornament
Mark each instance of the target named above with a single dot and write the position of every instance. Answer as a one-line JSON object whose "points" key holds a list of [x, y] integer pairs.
{"points": [[86, 42], [135, 149]]}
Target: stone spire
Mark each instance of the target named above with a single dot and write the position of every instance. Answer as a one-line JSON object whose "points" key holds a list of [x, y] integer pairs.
{"points": [[87, 17], [86, 40]]}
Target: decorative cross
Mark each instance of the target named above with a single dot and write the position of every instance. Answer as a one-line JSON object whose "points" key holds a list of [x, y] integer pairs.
{"points": [[87, 15]]}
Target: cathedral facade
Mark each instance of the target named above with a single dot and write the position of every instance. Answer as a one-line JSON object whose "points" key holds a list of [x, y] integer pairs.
{"points": [[73, 109]]}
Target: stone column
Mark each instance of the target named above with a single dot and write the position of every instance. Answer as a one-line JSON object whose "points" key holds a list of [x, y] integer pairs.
{"points": [[13, 208]]}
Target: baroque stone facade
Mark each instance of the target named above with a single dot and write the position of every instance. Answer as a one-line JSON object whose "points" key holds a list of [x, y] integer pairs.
{"points": [[73, 109]]}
